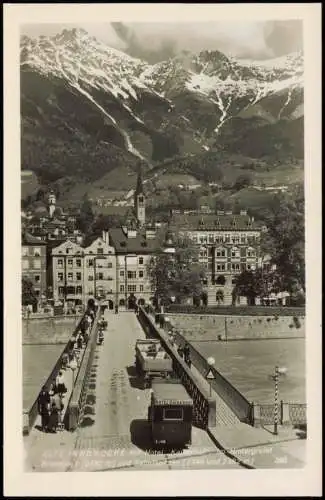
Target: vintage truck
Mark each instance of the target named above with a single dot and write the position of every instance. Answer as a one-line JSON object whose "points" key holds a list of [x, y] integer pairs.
{"points": [[170, 414], [151, 360]]}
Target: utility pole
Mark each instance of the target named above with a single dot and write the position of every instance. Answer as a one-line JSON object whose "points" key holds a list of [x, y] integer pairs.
{"points": [[125, 280], [226, 329], [65, 282], [117, 284], [95, 278]]}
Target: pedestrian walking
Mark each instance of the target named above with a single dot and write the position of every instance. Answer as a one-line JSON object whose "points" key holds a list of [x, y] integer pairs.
{"points": [[52, 390], [180, 351], [44, 407], [186, 350], [65, 360], [59, 406], [79, 342], [53, 419], [187, 354], [61, 388]]}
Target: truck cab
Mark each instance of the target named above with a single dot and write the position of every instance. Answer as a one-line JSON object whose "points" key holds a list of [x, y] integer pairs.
{"points": [[170, 414]]}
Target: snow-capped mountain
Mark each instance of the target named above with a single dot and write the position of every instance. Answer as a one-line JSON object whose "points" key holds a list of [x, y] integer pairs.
{"points": [[81, 97]]}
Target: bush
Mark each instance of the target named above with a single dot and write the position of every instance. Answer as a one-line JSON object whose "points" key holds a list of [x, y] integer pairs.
{"points": [[236, 310]]}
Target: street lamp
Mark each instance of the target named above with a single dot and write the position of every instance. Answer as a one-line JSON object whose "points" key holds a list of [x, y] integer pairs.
{"points": [[211, 361]]}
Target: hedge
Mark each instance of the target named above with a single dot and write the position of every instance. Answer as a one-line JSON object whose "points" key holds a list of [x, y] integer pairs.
{"points": [[237, 310]]}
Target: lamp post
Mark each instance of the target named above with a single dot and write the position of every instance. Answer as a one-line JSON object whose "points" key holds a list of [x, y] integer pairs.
{"points": [[211, 361], [276, 399]]}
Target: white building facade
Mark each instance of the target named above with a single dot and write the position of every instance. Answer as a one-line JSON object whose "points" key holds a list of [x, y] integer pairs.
{"points": [[81, 273]]}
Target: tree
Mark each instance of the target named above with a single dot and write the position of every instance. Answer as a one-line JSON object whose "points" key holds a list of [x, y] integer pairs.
{"points": [[242, 181], [103, 223], [176, 276], [285, 241], [249, 284], [86, 216], [28, 296], [40, 195]]}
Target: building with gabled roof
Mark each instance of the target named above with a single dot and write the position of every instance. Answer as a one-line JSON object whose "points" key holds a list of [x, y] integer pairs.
{"points": [[81, 273], [134, 248]]}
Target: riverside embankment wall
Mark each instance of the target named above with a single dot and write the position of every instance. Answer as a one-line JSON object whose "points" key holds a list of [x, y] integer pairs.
{"points": [[48, 330], [212, 326]]}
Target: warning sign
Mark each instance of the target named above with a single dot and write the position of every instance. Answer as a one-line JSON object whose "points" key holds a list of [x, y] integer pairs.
{"points": [[209, 375]]}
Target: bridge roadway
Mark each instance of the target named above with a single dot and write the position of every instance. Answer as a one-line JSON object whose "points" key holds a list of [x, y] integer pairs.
{"points": [[114, 432]]}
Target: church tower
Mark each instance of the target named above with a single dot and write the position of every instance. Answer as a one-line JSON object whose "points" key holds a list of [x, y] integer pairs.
{"points": [[139, 201], [51, 203]]}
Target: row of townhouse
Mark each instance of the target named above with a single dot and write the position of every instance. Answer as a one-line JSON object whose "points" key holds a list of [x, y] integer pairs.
{"points": [[113, 267]]}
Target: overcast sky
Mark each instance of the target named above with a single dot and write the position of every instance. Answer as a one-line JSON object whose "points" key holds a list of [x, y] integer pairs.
{"points": [[157, 41]]}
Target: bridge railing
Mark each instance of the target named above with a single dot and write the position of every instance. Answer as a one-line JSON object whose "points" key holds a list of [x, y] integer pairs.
{"points": [[230, 395], [288, 413], [30, 414], [78, 397], [204, 406]]}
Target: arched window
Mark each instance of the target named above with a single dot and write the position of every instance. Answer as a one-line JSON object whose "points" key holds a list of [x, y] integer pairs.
{"points": [[221, 280]]}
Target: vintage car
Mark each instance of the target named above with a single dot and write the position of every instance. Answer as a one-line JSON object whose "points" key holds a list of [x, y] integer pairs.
{"points": [[170, 414], [151, 360]]}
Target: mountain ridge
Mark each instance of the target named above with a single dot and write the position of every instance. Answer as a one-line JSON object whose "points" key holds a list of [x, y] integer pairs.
{"points": [[88, 108]]}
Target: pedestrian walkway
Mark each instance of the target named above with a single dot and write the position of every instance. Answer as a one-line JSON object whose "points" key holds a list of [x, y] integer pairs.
{"points": [[38, 444]]}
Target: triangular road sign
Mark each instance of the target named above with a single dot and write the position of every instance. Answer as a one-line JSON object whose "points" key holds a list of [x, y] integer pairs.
{"points": [[210, 375]]}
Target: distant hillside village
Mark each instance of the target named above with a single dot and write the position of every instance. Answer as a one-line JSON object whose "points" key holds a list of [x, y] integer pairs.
{"points": [[66, 268]]}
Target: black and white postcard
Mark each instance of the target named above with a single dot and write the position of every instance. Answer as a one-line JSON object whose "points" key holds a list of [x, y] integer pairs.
{"points": [[162, 249]]}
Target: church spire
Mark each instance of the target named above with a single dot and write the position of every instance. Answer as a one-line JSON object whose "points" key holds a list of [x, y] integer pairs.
{"points": [[139, 200], [139, 188]]}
